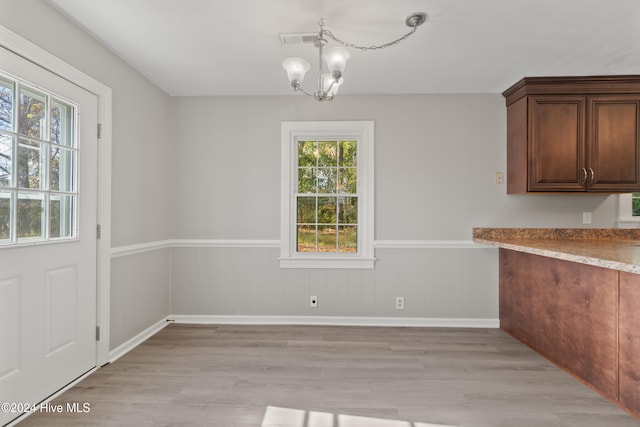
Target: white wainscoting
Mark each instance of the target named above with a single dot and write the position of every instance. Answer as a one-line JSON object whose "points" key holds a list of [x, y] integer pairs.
{"points": [[444, 283], [452, 283], [140, 290]]}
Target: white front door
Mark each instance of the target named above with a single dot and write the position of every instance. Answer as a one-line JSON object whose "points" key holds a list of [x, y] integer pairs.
{"points": [[48, 197]]}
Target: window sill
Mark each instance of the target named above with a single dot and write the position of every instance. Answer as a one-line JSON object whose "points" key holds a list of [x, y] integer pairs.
{"points": [[628, 222], [333, 262]]}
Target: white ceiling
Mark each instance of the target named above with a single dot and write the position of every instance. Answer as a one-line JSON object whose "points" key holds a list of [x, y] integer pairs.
{"points": [[231, 47]]}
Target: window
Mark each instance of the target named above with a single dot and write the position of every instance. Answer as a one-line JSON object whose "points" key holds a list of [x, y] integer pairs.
{"points": [[629, 210], [635, 204], [37, 165], [327, 195]]}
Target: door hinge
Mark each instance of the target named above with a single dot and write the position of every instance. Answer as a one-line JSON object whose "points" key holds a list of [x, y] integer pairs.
{"points": [[98, 231], [99, 130], [97, 333]]}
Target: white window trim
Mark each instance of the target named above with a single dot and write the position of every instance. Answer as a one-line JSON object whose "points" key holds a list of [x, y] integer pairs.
{"points": [[364, 132], [625, 218]]}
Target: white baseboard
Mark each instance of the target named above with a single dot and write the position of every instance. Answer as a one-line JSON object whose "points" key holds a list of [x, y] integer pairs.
{"points": [[337, 321], [129, 345]]}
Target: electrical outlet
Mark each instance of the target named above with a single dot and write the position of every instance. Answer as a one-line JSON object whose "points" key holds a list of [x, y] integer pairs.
{"points": [[499, 178], [313, 301], [399, 303], [586, 217]]}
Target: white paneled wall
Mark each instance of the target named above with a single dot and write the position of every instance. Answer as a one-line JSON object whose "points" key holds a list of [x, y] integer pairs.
{"points": [[139, 292], [438, 282]]}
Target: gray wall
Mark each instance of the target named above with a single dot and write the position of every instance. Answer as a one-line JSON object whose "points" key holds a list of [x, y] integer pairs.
{"points": [[436, 158], [141, 162]]}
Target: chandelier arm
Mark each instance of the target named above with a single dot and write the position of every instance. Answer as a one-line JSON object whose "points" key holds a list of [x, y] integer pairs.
{"points": [[330, 35], [327, 90], [297, 88]]}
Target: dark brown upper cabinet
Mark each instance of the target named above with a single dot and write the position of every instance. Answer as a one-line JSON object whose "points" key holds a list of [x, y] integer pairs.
{"points": [[573, 134]]}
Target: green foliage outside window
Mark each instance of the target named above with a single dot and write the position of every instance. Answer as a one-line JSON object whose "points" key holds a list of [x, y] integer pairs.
{"points": [[635, 204], [327, 201]]}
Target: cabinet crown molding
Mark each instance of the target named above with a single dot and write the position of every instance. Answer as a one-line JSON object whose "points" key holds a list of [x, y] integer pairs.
{"points": [[572, 85]]}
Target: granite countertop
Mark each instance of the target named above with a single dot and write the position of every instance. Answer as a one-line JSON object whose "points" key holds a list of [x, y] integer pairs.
{"points": [[617, 248]]}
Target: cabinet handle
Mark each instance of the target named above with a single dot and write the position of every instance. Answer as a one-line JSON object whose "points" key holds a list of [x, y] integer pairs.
{"points": [[584, 170], [593, 176]]}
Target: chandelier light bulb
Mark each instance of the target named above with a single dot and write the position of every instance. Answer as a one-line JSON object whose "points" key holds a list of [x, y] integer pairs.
{"points": [[336, 59], [327, 80], [296, 69]]}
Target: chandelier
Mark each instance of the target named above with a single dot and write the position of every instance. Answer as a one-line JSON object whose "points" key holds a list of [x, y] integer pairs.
{"points": [[336, 59]]}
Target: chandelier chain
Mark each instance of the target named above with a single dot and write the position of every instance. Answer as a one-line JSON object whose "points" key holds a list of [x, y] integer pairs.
{"points": [[330, 35]]}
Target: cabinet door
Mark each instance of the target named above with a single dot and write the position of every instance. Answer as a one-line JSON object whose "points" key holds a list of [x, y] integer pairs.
{"points": [[614, 158], [557, 144]]}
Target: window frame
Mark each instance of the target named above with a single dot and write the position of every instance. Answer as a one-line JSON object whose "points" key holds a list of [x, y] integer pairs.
{"points": [[625, 212], [291, 132], [46, 143]]}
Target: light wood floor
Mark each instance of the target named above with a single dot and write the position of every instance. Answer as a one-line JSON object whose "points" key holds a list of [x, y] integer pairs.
{"points": [[302, 376]]}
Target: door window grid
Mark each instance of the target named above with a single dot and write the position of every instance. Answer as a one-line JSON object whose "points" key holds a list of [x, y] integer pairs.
{"points": [[38, 162]]}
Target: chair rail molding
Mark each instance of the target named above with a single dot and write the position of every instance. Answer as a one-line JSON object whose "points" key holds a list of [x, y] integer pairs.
{"points": [[127, 250]]}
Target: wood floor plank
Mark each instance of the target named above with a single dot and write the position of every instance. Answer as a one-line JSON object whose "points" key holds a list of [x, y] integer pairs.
{"points": [[326, 376]]}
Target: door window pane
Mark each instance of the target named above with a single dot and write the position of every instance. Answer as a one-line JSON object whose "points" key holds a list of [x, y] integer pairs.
{"points": [[29, 164], [6, 160], [30, 215], [62, 124], [61, 164], [61, 211], [6, 104], [32, 114], [5, 215]]}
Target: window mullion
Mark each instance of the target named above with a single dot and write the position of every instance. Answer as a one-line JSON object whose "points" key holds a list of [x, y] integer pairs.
{"points": [[45, 147], [337, 200], [316, 151], [13, 222], [46, 152]]}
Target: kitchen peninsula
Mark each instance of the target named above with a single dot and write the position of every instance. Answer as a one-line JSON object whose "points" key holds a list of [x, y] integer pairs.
{"points": [[573, 296]]}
